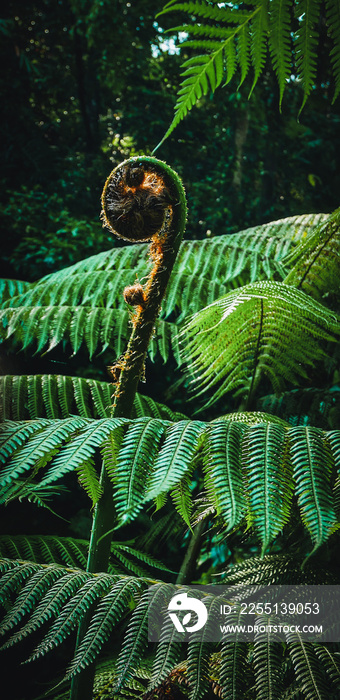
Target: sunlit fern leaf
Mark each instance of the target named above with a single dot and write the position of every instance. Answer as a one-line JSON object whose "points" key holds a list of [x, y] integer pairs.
{"points": [[173, 460], [252, 332], [310, 406], [333, 19], [135, 459], [11, 288], [306, 37], [136, 637], [312, 463], [73, 611], [40, 448], [314, 262], [112, 606], [252, 418], [269, 477], [309, 672], [222, 467], [268, 658]]}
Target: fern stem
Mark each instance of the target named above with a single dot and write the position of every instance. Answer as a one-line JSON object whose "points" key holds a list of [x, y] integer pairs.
{"points": [[163, 251], [255, 379], [190, 557]]}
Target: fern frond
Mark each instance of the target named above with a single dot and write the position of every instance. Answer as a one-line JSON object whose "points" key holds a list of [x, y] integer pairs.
{"points": [[275, 569], [71, 614], [306, 41], [80, 450], [222, 467], [333, 19], [199, 651], [173, 460], [181, 496], [135, 459], [312, 463], [40, 449], [279, 41], [330, 663], [308, 671], [45, 549], [13, 435], [269, 476], [136, 637], [30, 595], [58, 396], [268, 658], [11, 288], [111, 608], [97, 328], [258, 45], [167, 655], [51, 603], [234, 663], [315, 261], [252, 331], [309, 406]]}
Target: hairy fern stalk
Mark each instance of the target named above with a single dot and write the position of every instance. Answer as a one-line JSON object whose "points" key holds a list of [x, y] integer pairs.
{"points": [[243, 315]]}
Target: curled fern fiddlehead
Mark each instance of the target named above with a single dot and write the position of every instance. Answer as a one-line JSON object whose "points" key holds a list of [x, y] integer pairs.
{"points": [[134, 202], [143, 199]]}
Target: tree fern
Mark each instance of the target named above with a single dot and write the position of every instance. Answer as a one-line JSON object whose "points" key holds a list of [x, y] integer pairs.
{"points": [[229, 37], [252, 331]]}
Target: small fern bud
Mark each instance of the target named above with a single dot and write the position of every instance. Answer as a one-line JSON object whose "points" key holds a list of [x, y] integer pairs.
{"points": [[134, 295], [135, 201]]}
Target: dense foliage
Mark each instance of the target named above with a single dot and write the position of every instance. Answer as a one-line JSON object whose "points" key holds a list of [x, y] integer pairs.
{"points": [[235, 477]]}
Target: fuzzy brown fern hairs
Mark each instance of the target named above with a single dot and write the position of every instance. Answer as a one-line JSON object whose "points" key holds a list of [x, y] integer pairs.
{"points": [[135, 200]]}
